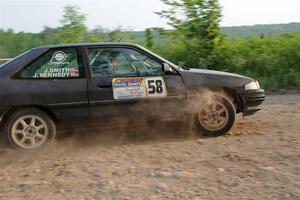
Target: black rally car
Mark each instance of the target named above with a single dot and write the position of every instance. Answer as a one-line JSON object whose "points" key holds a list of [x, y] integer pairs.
{"points": [[112, 84]]}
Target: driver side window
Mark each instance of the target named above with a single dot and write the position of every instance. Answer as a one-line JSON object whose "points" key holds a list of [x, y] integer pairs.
{"points": [[122, 62]]}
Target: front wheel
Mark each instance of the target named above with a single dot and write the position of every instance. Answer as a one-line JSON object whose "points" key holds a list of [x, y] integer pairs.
{"points": [[29, 129], [215, 117]]}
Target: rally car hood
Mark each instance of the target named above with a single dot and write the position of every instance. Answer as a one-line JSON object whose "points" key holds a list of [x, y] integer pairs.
{"points": [[195, 78], [217, 73]]}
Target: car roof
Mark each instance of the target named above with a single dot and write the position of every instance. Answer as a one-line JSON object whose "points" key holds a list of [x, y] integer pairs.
{"points": [[89, 44]]}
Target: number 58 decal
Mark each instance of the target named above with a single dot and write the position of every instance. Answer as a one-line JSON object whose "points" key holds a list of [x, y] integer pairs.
{"points": [[156, 87]]}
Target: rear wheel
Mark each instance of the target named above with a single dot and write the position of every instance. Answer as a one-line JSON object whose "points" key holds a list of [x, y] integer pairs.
{"points": [[216, 116], [29, 129]]}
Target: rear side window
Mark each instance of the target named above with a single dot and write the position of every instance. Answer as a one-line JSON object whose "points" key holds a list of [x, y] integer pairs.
{"points": [[55, 64]]}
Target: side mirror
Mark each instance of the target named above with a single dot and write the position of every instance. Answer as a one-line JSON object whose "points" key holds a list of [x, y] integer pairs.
{"points": [[168, 68]]}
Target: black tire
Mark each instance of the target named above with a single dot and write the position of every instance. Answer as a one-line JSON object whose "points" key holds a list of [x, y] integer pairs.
{"points": [[226, 126], [42, 136]]}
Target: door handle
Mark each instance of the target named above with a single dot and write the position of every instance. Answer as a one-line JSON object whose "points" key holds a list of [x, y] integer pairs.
{"points": [[104, 85]]}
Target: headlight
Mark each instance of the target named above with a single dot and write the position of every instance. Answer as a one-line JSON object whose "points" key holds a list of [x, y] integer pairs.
{"points": [[254, 85]]}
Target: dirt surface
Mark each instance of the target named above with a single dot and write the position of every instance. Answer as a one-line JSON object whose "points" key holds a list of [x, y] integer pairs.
{"points": [[259, 159]]}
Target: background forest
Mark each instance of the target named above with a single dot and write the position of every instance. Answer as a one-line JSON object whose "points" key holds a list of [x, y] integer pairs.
{"points": [[269, 53]]}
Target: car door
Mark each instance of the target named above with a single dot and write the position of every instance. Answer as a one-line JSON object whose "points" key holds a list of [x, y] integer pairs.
{"points": [[55, 81], [128, 86]]}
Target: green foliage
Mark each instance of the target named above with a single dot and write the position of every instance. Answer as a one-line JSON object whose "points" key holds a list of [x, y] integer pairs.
{"points": [[149, 39], [12, 44], [117, 35], [275, 61], [197, 27], [265, 30], [73, 28], [265, 52], [95, 35]]}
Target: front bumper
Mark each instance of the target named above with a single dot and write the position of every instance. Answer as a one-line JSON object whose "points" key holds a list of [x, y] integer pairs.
{"points": [[251, 101]]}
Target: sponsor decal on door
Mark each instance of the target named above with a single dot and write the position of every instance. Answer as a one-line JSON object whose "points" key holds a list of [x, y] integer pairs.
{"points": [[139, 87]]}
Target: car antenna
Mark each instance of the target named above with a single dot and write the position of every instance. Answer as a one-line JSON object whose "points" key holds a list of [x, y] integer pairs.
{"points": [[119, 40]]}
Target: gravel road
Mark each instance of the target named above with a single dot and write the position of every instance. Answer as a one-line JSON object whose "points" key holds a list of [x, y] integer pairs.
{"points": [[259, 159]]}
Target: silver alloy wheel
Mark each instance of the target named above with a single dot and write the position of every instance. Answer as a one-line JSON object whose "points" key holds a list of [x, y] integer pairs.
{"points": [[213, 116], [29, 132]]}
